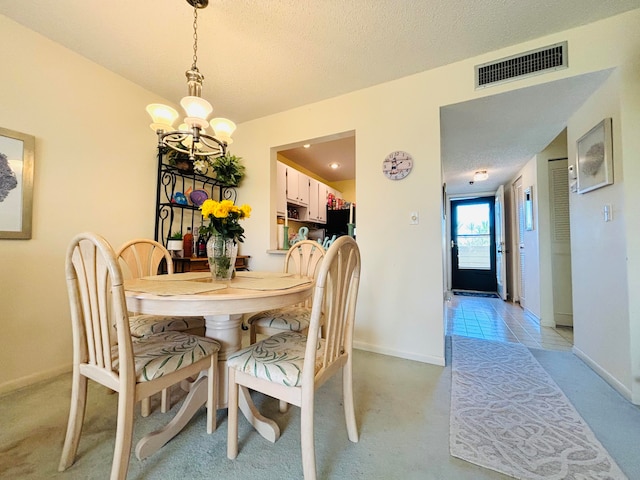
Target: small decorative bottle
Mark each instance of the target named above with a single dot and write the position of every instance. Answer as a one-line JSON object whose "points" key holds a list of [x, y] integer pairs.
{"points": [[187, 241], [202, 246]]}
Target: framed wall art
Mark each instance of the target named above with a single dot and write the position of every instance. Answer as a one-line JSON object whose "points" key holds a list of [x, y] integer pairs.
{"points": [[16, 184], [595, 158]]}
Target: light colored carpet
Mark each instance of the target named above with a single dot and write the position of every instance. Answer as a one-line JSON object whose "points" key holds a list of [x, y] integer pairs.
{"points": [[402, 409], [507, 414]]}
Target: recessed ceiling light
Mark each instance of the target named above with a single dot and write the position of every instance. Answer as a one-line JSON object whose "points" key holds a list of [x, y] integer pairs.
{"points": [[306, 145], [334, 165], [480, 176]]}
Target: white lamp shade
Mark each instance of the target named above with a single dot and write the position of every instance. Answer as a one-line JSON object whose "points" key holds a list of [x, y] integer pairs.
{"points": [[480, 176], [223, 128], [196, 107], [162, 116]]}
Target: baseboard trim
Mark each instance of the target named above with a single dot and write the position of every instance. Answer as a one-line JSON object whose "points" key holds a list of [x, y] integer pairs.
{"points": [[22, 382], [606, 376], [367, 347]]}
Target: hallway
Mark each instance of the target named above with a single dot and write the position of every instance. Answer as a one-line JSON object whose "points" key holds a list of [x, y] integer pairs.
{"points": [[495, 319]]}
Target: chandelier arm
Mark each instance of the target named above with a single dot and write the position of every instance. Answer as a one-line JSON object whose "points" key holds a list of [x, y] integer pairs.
{"points": [[198, 109], [205, 139], [174, 139]]}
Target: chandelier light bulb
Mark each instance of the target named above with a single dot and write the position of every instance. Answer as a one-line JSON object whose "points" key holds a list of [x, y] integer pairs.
{"points": [[196, 107], [162, 116], [223, 128]]}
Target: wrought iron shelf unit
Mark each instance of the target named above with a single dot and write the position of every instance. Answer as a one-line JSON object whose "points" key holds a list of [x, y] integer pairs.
{"points": [[173, 217]]}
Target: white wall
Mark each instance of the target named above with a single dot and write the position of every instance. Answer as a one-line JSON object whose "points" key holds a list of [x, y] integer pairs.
{"points": [[94, 170], [598, 263], [83, 182]]}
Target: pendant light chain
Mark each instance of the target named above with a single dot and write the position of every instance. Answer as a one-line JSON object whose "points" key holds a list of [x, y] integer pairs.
{"points": [[192, 138], [195, 38]]}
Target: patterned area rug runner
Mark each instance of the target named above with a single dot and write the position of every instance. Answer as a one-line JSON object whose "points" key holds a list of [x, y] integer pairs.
{"points": [[507, 414]]}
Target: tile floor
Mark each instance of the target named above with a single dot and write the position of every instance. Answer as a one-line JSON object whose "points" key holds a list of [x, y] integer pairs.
{"points": [[495, 319]]}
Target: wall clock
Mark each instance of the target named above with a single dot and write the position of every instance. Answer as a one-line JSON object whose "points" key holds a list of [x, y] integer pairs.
{"points": [[397, 165]]}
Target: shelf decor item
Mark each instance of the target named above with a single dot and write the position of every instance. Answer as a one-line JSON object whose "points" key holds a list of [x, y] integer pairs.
{"points": [[595, 157], [222, 253], [175, 243], [226, 169], [224, 232]]}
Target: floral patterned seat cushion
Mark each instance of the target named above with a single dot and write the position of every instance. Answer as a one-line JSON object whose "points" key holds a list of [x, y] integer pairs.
{"points": [[294, 318], [279, 358], [144, 325], [163, 353]]}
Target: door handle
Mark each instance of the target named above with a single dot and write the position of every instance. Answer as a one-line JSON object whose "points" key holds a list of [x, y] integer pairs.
{"points": [[453, 244]]}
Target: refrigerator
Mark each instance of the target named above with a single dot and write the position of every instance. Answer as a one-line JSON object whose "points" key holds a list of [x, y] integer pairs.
{"points": [[337, 221]]}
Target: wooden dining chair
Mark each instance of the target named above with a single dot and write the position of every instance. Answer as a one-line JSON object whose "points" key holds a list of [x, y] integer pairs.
{"points": [[290, 366], [138, 258], [303, 258], [103, 349]]}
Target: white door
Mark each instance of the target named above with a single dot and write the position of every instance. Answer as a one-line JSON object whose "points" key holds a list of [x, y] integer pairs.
{"points": [[501, 267], [518, 200], [560, 242]]}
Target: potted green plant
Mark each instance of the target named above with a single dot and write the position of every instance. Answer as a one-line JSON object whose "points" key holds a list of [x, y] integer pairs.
{"points": [[174, 242], [228, 169], [179, 160]]}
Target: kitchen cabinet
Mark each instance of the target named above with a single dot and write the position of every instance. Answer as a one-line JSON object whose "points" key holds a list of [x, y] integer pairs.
{"points": [[306, 195], [281, 188], [312, 211], [317, 211], [297, 187], [323, 191]]}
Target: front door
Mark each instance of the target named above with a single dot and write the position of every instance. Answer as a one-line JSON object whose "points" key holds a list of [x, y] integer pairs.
{"points": [[473, 252], [501, 266]]}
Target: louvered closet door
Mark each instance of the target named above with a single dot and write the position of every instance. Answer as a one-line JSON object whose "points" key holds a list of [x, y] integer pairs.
{"points": [[560, 242]]}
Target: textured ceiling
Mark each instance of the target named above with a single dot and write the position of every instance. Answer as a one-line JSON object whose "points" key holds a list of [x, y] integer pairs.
{"points": [[261, 57], [501, 133]]}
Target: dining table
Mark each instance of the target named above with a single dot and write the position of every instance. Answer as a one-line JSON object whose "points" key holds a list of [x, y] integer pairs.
{"points": [[222, 304]]}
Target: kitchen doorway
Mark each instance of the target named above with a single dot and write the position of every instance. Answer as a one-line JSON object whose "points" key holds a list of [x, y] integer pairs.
{"points": [[473, 248]]}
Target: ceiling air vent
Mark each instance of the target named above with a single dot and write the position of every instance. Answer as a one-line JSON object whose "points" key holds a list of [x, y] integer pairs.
{"points": [[534, 62]]}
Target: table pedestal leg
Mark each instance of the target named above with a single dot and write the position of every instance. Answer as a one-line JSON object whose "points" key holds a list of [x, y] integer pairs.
{"points": [[154, 441], [226, 329]]}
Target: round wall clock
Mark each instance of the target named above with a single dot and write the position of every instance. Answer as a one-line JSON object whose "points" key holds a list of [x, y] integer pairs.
{"points": [[397, 165]]}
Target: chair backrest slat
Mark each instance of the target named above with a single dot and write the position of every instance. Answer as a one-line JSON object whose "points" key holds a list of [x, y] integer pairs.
{"points": [[334, 305], [141, 257], [304, 258], [98, 305]]}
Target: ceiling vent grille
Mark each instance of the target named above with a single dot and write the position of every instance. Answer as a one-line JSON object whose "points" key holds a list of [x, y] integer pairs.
{"points": [[534, 62]]}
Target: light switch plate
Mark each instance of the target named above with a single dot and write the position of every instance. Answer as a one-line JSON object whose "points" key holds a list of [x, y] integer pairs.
{"points": [[414, 218]]}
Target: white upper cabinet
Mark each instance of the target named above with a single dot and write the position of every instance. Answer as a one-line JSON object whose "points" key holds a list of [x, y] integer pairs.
{"points": [[281, 186], [318, 202], [303, 188], [296, 188], [313, 211]]}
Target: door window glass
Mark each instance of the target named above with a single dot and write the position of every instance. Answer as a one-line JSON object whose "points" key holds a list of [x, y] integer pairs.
{"points": [[474, 237]]}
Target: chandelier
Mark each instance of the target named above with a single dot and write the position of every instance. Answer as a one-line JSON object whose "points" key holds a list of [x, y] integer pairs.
{"points": [[191, 137]]}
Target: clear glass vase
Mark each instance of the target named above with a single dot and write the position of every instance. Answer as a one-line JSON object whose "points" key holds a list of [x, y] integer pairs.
{"points": [[222, 253]]}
